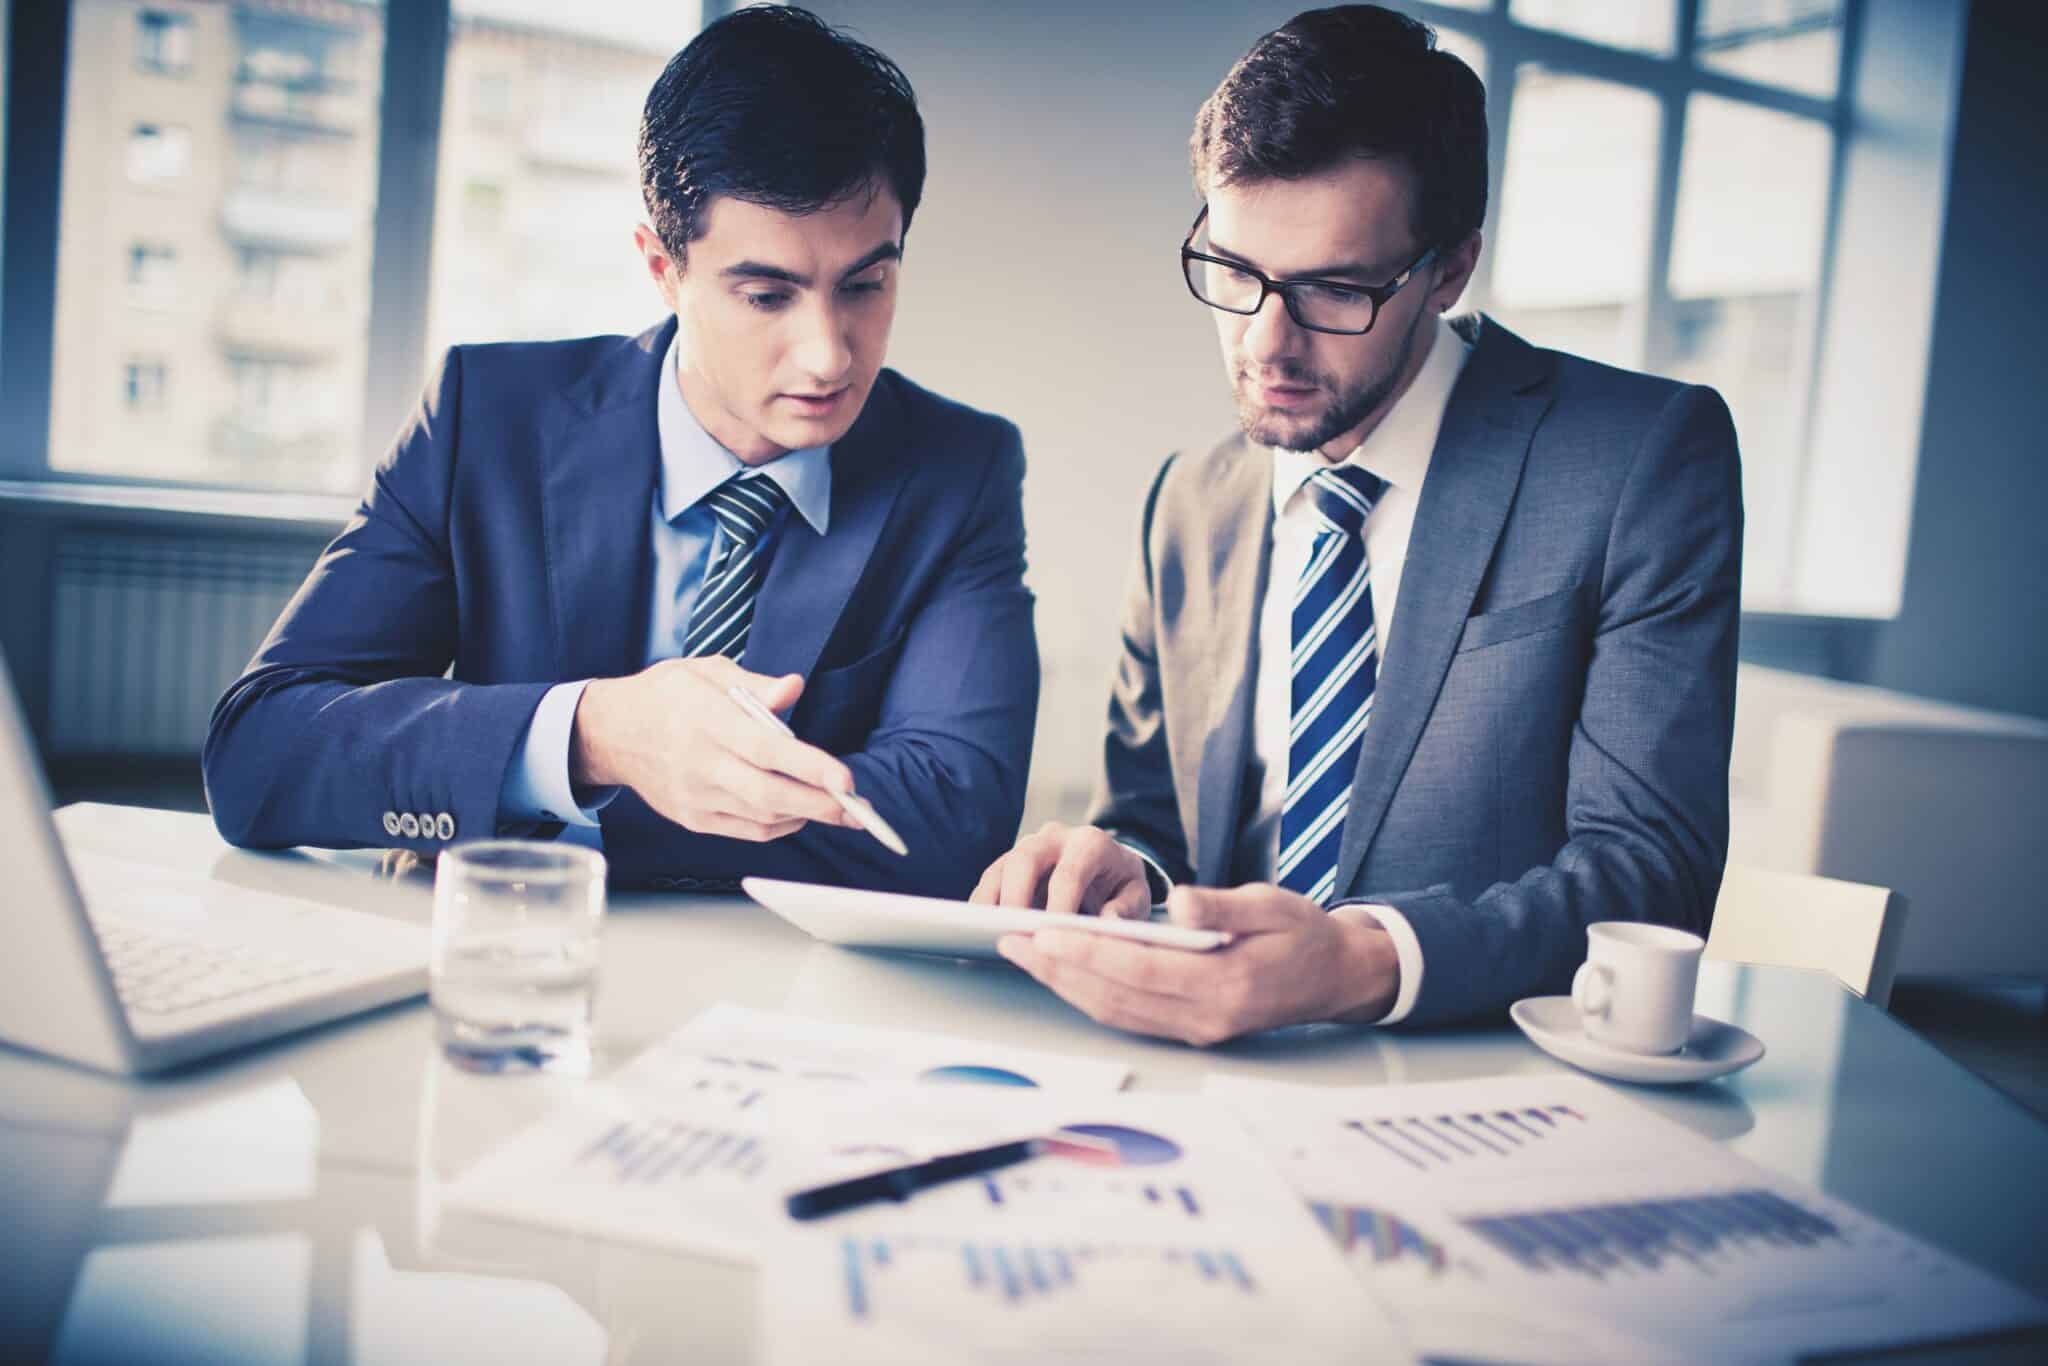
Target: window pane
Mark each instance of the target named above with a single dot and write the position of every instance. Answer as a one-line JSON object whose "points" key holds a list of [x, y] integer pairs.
{"points": [[240, 198], [163, 42], [1793, 43], [1572, 258], [1640, 25], [1745, 259], [539, 185]]}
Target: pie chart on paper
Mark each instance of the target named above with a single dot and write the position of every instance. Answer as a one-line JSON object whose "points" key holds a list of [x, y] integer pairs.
{"points": [[1115, 1145], [974, 1074]]}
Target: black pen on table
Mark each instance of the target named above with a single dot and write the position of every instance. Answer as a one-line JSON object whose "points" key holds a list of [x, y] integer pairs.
{"points": [[900, 1183]]}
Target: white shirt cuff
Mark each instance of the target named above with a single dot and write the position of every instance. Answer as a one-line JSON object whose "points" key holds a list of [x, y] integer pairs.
{"points": [[537, 786], [1407, 953]]}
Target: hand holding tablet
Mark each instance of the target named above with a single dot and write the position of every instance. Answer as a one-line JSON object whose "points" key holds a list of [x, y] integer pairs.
{"points": [[917, 924]]}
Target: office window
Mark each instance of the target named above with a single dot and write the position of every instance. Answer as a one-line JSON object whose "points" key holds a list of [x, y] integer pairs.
{"points": [[158, 153], [1664, 203], [152, 274], [1642, 25], [144, 385], [273, 155], [163, 42], [1572, 256], [539, 193], [1792, 43]]}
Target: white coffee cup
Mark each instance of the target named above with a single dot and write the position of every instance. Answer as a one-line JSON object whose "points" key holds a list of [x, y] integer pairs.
{"points": [[1634, 991]]}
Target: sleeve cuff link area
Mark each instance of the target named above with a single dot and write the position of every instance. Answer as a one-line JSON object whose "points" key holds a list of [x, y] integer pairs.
{"points": [[419, 825]]}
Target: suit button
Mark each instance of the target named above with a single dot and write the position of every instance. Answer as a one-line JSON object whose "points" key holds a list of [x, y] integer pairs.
{"points": [[444, 826], [409, 826], [391, 823], [426, 825]]}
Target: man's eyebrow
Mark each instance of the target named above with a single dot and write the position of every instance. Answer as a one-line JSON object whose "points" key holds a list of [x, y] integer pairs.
{"points": [[759, 270], [756, 270], [888, 251], [1349, 270]]}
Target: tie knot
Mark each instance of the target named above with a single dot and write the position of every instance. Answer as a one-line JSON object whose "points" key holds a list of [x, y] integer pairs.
{"points": [[1344, 495], [745, 504]]}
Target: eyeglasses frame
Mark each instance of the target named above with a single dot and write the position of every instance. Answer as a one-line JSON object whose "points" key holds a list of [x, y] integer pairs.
{"points": [[1378, 294]]}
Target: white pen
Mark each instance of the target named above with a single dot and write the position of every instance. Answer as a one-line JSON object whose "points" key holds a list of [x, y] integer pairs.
{"points": [[854, 806]]}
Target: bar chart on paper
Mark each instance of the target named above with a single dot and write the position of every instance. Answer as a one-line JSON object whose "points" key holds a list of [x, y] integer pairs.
{"points": [[1013, 1272], [651, 1152], [1642, 1237], [1555, 1195]]}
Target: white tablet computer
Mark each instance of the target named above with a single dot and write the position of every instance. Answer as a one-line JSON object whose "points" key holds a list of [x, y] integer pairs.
{"points": [[921, 924]]}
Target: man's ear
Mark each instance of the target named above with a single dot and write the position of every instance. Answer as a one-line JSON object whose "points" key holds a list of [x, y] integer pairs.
{"points": [[662, 268], [1454, 272]]}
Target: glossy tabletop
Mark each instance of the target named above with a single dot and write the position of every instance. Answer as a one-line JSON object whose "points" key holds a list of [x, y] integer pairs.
{"points": [[285, 1203]]}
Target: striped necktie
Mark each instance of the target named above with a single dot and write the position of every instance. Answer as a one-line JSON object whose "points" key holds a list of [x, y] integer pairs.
{"points": [[1334, 665], [719, 623]]}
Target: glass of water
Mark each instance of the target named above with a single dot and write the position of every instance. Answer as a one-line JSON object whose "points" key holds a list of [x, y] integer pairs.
{"points": [[514, 968]]}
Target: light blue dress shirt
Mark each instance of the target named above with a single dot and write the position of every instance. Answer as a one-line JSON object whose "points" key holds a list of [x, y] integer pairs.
{"points": [[537, 785]]}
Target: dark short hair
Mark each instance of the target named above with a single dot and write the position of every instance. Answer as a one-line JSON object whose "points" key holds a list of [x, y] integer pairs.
{"points": [[1353, 81], [773, 106]]}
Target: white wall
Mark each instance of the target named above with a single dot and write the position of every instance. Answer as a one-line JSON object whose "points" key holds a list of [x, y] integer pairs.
{"points": [[1042, 281]]}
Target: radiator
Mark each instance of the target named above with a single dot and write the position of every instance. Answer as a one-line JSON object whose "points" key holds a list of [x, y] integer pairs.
{"points": [[148, 630]]}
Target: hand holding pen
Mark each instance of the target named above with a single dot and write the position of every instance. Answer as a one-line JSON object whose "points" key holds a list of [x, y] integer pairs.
{"points": [[675, 734], [851, 803]]}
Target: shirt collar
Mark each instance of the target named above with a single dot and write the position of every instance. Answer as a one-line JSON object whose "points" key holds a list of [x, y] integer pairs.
{"points": [[693, 463], [1398, 450]]}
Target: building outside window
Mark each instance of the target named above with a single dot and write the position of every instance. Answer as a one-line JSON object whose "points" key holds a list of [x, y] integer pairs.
{"points": [[145, 385], [158, 153], [152, 274], [163, 42]]}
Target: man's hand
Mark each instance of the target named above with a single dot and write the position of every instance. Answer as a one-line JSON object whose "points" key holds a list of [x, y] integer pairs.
{"points": [[1068, 869], [671, 734], [1290, 962]]}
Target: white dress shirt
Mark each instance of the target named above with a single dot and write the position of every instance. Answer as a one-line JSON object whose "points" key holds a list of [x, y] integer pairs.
{"points": [[1398, 450]]}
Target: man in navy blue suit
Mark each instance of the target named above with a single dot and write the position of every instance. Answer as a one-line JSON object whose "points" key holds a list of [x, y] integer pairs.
{"points": [[575, 549]]}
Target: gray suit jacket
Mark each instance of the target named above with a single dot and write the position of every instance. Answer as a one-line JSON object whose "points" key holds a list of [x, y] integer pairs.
{"points": [[1549, 741]]}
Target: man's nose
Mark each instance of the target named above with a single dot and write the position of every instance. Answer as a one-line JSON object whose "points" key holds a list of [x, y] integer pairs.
{"points": [[1272, 335], [825, 350]]}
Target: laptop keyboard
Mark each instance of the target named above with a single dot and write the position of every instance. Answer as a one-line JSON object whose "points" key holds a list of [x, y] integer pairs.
{"points": [[157, 973]]}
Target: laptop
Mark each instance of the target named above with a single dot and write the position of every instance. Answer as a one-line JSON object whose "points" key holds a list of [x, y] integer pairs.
{"points": [[129, 967]]}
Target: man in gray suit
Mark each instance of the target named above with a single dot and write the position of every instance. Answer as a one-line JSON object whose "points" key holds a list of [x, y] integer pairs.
{"points": [[1433, 665]]}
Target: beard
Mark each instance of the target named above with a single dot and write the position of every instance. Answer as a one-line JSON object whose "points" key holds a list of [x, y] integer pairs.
{"points": [[1343, 410]]}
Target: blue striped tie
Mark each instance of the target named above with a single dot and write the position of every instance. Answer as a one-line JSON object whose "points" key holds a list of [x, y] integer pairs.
{"points": [[1335, 663], [724, 613]]}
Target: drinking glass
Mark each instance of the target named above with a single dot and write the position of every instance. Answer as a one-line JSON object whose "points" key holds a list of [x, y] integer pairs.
{"points": [[514, 967]]}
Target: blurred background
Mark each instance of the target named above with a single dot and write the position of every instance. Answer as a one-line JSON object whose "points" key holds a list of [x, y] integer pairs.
{"points": [[237, 233]]}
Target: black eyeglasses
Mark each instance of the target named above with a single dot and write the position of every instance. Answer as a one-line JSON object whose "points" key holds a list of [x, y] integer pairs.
{"points": [[1338, 306]]}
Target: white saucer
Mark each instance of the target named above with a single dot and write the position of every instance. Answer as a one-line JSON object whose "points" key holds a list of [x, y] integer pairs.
{"points": [[1714, 1049]]}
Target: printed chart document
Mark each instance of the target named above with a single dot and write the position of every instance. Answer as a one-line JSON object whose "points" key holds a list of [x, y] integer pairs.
{"points": [[1169, 1238], [686, 1149], [767, 1043], [1557, 1203]]}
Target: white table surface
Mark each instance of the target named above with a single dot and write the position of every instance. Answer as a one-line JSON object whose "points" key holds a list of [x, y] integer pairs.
{"points": [[287, 1200]]}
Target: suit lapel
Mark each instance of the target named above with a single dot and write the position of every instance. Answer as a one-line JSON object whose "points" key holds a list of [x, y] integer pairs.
{"points": [[1473, 475], [1240, 548], [602, 455], [811, 577]]}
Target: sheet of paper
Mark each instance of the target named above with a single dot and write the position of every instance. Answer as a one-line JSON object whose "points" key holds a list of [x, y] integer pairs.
{"points": [[685, 1146], [1175, 1242], [770, 1043], [1557, 1202]]}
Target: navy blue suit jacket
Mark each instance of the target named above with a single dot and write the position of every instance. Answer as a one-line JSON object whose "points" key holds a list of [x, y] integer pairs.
{"points": [[507, 534]]}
